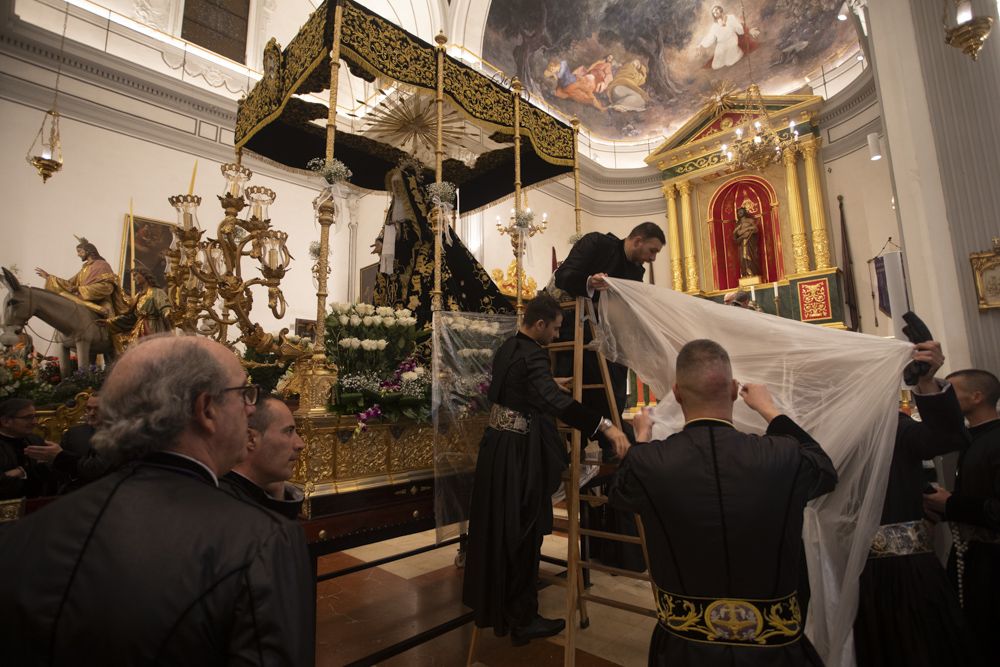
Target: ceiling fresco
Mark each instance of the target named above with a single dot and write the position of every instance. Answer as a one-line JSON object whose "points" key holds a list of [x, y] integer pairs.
{"points": [[633, 69]]}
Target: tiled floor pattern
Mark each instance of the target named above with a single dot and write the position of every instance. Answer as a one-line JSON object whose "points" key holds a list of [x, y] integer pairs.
{"points": [[360, 613]]}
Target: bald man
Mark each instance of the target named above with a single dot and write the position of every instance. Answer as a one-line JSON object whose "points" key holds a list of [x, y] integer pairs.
{"points": [[723, 516], [272, 454], [153, 564]]}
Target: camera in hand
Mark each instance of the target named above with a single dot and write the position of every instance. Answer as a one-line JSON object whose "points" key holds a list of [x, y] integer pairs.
{"points": [[917, 332]]}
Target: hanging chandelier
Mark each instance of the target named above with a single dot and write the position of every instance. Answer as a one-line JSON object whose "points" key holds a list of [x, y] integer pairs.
{"points": [[755, 143], [45, 152]]}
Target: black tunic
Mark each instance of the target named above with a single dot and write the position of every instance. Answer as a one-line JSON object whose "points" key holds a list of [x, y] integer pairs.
{"points": [[723, 516], [289, 506], [592, 254], [516, 475], [908, 612], [975, 503]]}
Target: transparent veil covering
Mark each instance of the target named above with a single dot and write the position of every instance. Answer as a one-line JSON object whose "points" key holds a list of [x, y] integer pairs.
{"points": [[464, 344], [841, 387]]}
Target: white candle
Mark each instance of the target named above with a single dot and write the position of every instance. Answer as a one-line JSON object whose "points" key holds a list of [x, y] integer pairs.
{"points": [[187, 220], [46, 154], [256, 211], [775, 290], [272, 258], [753, 294]]}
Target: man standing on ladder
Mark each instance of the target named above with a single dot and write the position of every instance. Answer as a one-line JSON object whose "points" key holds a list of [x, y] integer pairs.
{"points": [[593, 258], [521, 458], [723, 516]]}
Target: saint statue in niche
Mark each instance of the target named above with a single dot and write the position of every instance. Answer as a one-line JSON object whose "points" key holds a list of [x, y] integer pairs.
{"points": [[745, 234]]}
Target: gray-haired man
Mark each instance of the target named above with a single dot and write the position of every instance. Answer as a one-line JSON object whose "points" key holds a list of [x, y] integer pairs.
{"points": [[153, 564]]}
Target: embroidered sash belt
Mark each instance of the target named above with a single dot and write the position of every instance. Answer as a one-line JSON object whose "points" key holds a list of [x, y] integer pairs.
{"points": [[901, 539], [736, 622], [505, 419]]}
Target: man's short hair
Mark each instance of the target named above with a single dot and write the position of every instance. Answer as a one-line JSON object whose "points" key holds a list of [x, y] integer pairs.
{"points": [[263, 415], [648, 230], [542, 307], [12, 406], [980, 380], [704, 371], [147, 408]]}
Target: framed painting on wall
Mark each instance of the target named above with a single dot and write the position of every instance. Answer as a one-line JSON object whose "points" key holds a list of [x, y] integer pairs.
{"points": [[366, 293], [147, 241]]}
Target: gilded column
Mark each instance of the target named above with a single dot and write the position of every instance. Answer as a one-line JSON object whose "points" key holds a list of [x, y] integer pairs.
{"points": [[674, 237], [800, 246], [690, 261], [817, 211]]}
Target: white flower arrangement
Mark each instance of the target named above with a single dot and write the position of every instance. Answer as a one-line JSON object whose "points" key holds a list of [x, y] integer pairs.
{"points": [[442, 194], [524, 218], [333, 172], [384, 311]]}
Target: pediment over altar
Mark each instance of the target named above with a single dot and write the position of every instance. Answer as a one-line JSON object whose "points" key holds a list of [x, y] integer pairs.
{"points": [[695, 149]]}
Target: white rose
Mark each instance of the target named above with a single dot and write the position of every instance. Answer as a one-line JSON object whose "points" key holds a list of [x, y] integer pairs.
{"points": [[368, 320], [355, 343], [382, 343], [408, 375], [419, 370], [344, 319], [345, 342], [366, 309], [355, 320], [384, 311], [403, 312], [388, 321]]}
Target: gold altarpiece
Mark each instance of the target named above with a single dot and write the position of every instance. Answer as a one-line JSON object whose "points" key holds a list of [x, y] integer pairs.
{"points": [[704, 192]]}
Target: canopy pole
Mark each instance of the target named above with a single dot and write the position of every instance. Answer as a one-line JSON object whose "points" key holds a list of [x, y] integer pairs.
{"points": [[516, 88], [436, 213], [575, 122], [327, 210]]}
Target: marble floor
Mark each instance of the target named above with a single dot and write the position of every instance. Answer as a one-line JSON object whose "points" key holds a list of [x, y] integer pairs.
{"points": [[360, 613]]}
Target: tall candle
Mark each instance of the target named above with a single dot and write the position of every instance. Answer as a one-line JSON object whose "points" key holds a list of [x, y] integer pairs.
{"points": [[752, 294], [187, 219], [272, 258], [775, 290], [194, 173], [256, 211]]}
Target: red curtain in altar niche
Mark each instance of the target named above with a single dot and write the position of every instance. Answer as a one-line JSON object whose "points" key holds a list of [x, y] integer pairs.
{"points": [[757, 196]]}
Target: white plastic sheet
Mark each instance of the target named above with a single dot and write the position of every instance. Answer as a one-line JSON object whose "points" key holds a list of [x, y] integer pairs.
{"points": [[464, 344], [841, 387]]}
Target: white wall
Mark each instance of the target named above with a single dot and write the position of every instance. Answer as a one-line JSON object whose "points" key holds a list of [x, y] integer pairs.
{"points": [[90, 197], [871, 220]]}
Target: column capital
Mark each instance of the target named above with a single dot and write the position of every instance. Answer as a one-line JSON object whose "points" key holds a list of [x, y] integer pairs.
{"points": [[685, 187], [789, 157], [810, 147], [669, 190]]}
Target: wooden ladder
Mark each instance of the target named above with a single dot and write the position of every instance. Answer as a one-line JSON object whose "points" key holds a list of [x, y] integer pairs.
{"points": [[577, 596]]}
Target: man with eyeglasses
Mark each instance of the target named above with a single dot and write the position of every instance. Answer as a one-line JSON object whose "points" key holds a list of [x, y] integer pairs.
{"points": [[21, 476], [183, 572]]}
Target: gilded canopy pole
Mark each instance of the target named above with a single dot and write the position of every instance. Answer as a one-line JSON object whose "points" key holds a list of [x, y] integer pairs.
{"points": [[437, 214], [516, 88], [575, 122], [316, 380]]}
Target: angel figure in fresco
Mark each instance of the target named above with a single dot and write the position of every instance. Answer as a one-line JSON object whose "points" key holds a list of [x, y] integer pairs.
{"points": [[745, 234], [730, 38], [579, 85]]}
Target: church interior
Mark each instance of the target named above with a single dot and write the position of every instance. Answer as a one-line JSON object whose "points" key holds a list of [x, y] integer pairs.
{"points": [[828, 157]]}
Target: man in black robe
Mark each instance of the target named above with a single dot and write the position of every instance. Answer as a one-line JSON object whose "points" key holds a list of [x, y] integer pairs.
{"points": [[20, 475], [153, 564], [272, 454], [908, 611], [973, 508], [74, 460], [723, 517], [521, 457], [593, 258]]}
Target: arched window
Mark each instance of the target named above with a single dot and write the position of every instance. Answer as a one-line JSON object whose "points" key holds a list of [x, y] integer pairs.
{"points": [[218, 25]]}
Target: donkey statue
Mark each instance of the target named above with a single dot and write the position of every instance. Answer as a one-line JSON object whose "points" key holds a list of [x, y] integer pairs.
{"points": [[75, 325]]}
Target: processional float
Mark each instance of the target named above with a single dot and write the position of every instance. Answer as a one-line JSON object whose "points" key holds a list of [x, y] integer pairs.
{"points": [[274, 122]]}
